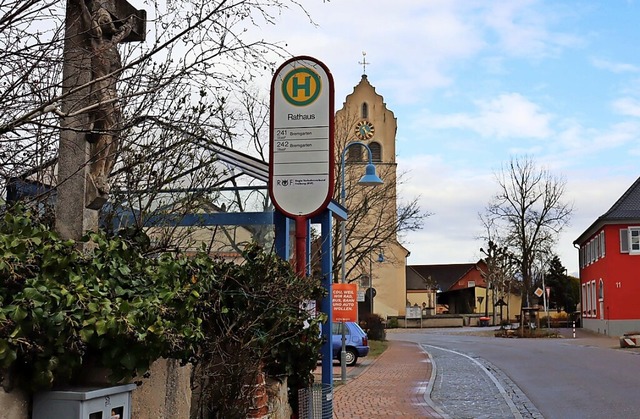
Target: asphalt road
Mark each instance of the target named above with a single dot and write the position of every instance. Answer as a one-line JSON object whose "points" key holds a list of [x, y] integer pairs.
{"points": [[586, 377]]}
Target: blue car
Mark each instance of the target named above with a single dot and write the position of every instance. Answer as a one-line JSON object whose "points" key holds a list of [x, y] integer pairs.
{"points": [[356, 342]]}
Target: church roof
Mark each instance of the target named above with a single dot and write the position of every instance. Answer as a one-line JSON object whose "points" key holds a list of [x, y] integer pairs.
{"points": [[625, 210]]}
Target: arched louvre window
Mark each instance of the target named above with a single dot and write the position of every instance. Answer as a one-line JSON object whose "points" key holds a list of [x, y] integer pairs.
{"points": [[365, 110], [376, 151], [354, 154]]}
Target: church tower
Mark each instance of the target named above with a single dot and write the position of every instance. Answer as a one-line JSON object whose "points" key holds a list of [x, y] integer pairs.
{"points": [[375, 260]]}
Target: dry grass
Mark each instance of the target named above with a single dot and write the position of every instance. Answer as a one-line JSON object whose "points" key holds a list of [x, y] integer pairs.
{"points": [[377, 347]]}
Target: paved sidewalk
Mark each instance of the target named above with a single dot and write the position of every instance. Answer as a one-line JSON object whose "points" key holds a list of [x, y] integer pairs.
{"points": [[393, 385], [588, 338]]}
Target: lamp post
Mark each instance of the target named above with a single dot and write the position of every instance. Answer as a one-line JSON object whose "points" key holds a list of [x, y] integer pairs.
{"points": [[380, 259], [370, 178]]}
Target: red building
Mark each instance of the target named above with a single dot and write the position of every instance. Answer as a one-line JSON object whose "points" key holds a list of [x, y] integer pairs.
{"points": [[457, 285], [609, 253]]}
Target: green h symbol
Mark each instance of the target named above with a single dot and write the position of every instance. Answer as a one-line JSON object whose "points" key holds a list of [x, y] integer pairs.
{"points": [[306, 86], [299, 82]]}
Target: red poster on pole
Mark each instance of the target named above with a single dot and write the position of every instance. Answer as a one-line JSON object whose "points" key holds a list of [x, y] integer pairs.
{"points": [[345, 302]]}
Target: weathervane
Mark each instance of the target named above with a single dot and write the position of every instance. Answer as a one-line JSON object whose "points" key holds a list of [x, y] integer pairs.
{"points": [[364, 63]]}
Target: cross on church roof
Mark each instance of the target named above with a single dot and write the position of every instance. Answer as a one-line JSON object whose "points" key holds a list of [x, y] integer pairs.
{"points": [[364, 62]]}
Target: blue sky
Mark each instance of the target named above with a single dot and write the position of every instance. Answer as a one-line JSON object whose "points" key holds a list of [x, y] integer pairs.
{"points": [[473, 83]]}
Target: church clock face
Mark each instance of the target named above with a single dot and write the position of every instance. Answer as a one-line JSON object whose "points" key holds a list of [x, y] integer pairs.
{"points": [[364, 130]]}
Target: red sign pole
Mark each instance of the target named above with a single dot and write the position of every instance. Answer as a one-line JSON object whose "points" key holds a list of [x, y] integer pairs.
{"points": [[301, 246]]}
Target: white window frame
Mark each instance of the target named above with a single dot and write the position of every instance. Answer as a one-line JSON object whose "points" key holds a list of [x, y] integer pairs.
{"points": [[594, 299], [584, 300], [627, 236], [601, 290], [589, 313], [634, 248], [624, 240]]}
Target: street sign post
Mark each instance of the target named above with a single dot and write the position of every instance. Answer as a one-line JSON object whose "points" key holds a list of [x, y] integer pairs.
{"points": [[301, 150], [301, 138]]}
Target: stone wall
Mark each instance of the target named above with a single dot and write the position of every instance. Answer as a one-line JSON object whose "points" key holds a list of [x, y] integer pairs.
{"points": [[14, 405], [432, 321], [166, 394], [279, 407]]}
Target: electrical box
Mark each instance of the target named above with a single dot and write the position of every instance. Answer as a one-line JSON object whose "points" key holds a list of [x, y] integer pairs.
{"points": [[84, 403]]}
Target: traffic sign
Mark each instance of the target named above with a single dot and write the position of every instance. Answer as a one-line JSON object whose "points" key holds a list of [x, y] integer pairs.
{"points": [[301, 162]]}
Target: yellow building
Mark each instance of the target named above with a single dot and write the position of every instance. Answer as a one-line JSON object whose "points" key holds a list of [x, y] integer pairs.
{"points": [[375, 259]]}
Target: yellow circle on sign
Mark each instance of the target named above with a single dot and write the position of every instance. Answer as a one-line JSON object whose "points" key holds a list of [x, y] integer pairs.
{"points": [[301, 86]]}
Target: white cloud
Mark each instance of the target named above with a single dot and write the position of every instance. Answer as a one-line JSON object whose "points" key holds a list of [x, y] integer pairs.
{"points": [[614, 67], [524, 28], [617, 135], [455, 194], [509, 115], [627, 106]]}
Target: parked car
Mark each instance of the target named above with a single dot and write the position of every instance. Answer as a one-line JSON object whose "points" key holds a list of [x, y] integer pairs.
{"points": [[356, 342]]}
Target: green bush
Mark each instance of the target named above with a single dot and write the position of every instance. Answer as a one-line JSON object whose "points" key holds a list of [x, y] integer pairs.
{"points": [[258, 327], [62, 309], [392, 323], [373, 324]]}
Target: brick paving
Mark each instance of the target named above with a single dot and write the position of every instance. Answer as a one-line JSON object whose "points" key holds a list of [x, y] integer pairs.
{"points": [[393, 386]]}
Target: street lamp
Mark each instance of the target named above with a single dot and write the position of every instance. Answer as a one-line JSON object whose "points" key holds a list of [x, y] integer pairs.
{"points": [[370, 178], [380, 259]]}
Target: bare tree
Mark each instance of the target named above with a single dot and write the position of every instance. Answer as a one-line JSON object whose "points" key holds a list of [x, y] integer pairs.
{"points": [[527, 214], [498, 273], [180, 94], [376, 217]]}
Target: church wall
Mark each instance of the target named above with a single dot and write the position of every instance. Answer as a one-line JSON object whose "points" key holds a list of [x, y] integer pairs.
{"points": [[389, 276], [389, 280]]}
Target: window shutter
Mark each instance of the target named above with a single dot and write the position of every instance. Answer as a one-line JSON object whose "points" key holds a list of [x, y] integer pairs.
{"points": [[376, 151], [581, 257], [624, 240]]}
